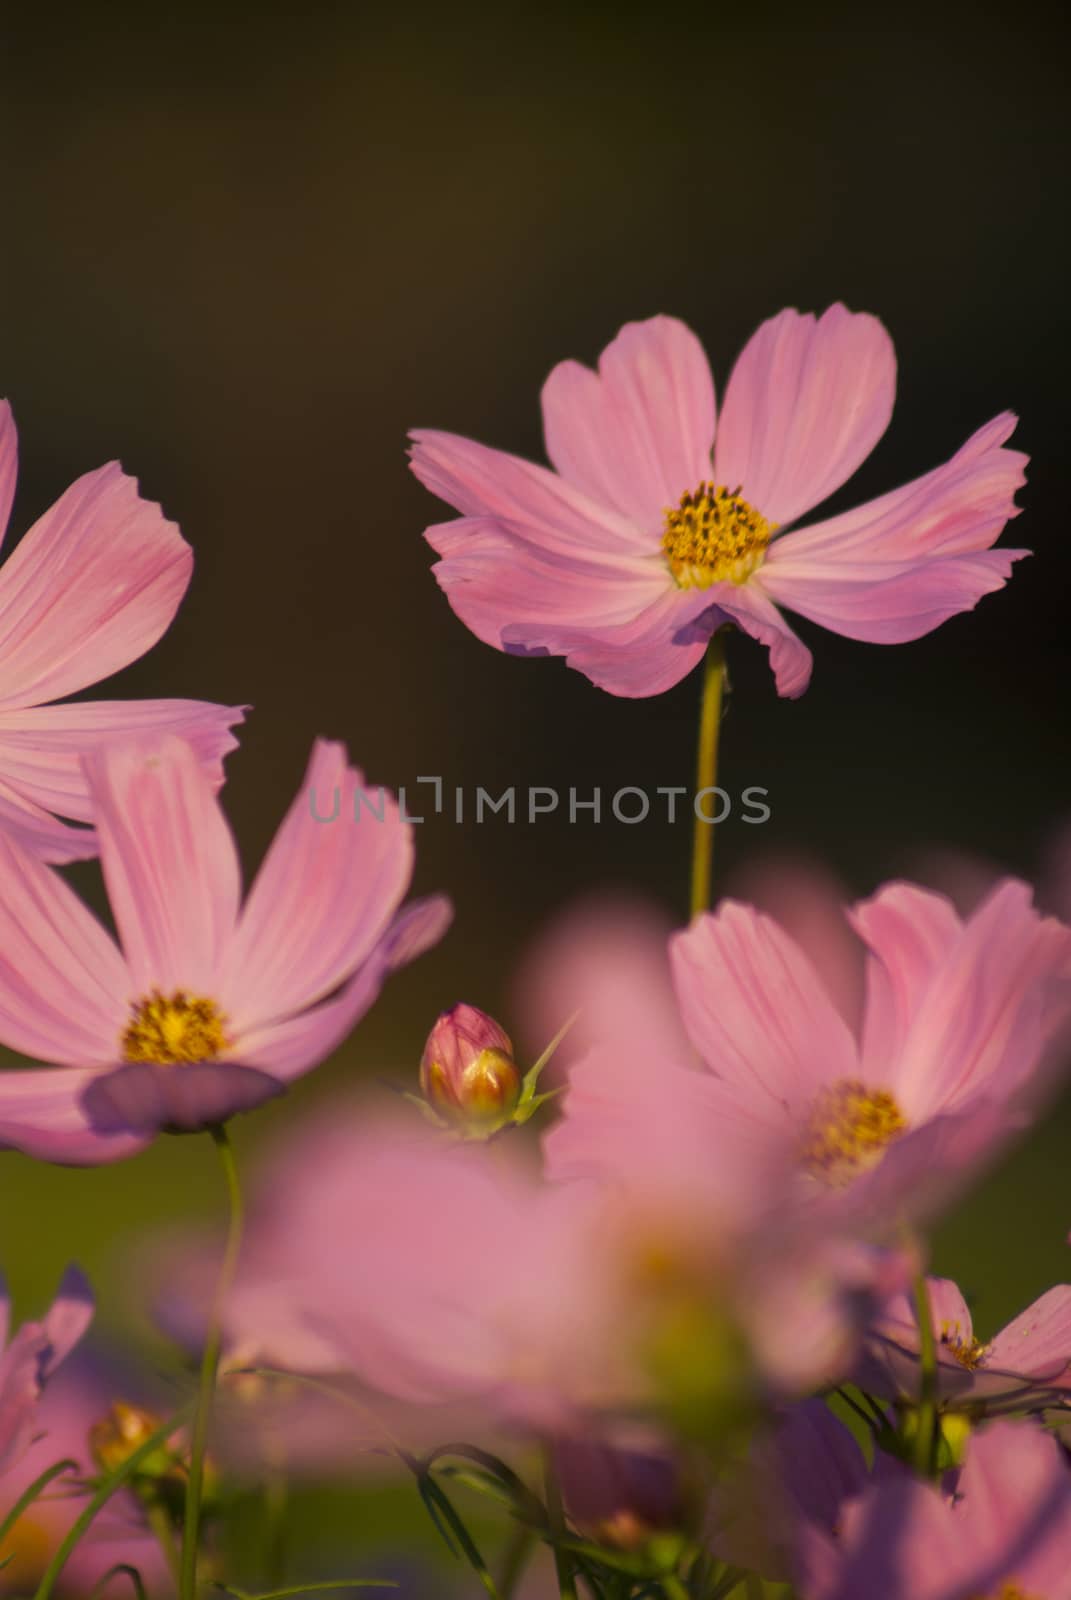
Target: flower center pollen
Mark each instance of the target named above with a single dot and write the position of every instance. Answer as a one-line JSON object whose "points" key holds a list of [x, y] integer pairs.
{"points": [[714, 535], [173, 1030], [848, 1131], [970, 1353]]}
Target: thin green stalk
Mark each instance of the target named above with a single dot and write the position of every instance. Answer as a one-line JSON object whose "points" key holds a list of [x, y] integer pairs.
{"points": [[160, 1522], [926, 1437], [209, 1369], [563, 1561], [515, 1560], [110, 1486], [29, 1495], [710, 708], [673, 1588]]}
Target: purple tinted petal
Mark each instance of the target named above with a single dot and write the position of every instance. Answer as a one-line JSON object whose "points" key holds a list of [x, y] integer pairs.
{"points": [[145, 1098]]}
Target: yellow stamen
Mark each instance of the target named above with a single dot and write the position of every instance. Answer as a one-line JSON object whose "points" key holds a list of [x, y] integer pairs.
{"points": [[970, 1353], [714, 535], [173, 1030], [848, 1131]]}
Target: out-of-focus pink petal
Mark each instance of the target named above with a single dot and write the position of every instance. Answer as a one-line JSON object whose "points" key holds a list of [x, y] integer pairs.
{"points": [[41, 747], [63, 983], [143, 1098], [748, 605], [331, 882], [889, 1362], [9, 464], [638, 433], [647, 654], [90, 588], [169, 861], [529, 500], [756, 1011], [496, 580], [983, 1022], [1037, 1343], [292, 1046], [604, 963], [807, 401], [68, 1318], [41, 1114]]}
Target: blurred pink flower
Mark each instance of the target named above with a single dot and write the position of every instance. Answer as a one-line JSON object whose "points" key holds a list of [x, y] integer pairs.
{"points": [[1027, 1366], [649, 534], [959, 1017], [94, 584], [211, 1006], [77, 1399], [1004, 1532], [31, 1358]]}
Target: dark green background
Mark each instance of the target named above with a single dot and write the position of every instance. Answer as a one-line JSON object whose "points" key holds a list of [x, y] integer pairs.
{"points": [[245, 252]]}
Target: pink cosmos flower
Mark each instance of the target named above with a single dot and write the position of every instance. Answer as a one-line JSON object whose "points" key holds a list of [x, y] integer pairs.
{"points": [[32, 1357], [94, 584], [1004, 1532], [958, 1019], [210, 1006], [1027, 1366], [74, 1402], [651, 533]]}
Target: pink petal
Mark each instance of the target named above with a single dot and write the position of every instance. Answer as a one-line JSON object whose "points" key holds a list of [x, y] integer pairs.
{"points": [[638, 434], [748, 606], [169, 862], [41, 834], [9, 464], [1037, 1343], [495, 581], [288, 1048], [807, 402], [90, 588], [982, 1024], [330, 884], [143, 1098], [641, 657], [68, 1317], [756, 1011], [909, 932], [41, 1114], [526, 499], [41, 747], [63, 984]]}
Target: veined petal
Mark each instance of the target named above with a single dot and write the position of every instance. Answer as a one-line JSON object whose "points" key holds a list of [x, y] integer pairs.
{"points": [[909, 932], [981, 1025], [63, 984], [92, 585], [637, 434], [1037, 1343], [529, 500], [294, 1045], [41, 747], [9, 464], [169, 862], [496, 580], [645, 655], [42, 834], [329, 886], [748, 605], [42, 1114], [806, 403], [756, 1010]]}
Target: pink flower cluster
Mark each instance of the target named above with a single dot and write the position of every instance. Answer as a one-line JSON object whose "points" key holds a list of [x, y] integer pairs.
{"points": [[696, 1287]]}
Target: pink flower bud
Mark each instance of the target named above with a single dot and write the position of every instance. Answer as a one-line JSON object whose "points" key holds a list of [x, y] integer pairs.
{"points": [[620, 1496], [467, 1071]]}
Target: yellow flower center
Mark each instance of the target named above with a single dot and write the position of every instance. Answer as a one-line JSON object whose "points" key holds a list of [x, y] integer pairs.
{"points": [[848, 1131], [714, 536], [970, 1353], [173, 1030]]}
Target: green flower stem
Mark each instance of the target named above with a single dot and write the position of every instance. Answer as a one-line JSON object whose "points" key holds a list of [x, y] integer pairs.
{"points": [[926, 1437], [710, 710], [209, 1370], [108, 1487], [563, 1562], [29, 1495]]}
